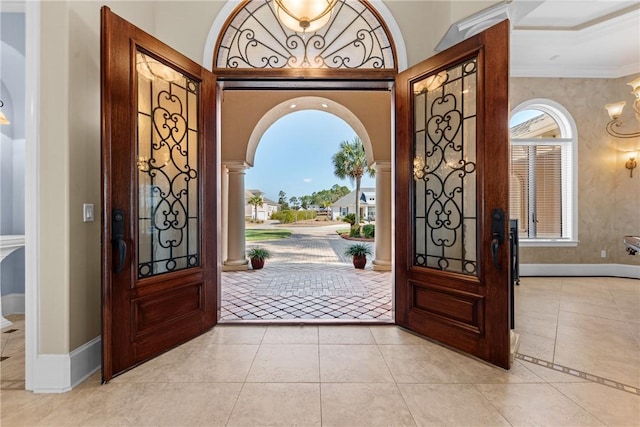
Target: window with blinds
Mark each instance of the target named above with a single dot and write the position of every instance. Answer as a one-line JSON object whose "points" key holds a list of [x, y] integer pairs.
{"points": [[541, 176]]}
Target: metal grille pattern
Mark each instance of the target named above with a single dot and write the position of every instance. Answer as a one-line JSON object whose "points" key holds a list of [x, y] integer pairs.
{"points": [[353, 38], [168, 140], [444, 170]]}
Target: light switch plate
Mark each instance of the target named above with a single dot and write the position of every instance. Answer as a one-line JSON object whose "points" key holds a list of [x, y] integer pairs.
{"points": [[87, 212]]}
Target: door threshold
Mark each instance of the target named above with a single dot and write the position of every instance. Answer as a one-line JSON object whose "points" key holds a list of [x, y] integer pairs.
{"points": [[316, 322]]}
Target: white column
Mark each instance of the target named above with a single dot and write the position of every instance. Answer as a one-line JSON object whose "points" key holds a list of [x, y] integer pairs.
{"points": [[236, 258], [224, 212], [382, 261]]}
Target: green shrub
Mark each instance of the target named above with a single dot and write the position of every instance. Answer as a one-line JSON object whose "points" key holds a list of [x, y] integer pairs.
{"points": [[354, 232], [358, 249], [350, 218], [369, 231]]}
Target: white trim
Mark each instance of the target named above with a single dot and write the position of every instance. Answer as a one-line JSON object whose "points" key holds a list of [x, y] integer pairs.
{"points": [[12, 304], [59, 373], [85, 361], [544, 243], [563, 270], [378, 5], [35, 374], [51, 373], [584, 72], [473, 25]]}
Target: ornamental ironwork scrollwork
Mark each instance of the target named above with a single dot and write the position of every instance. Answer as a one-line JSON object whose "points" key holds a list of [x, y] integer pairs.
{"points": [[354, 38], [443, 174], [166, 178]]}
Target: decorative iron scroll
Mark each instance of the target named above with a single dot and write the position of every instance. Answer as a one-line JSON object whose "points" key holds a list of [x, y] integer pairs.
{"points": [[353, 38], [168, 140], [444, 170]]}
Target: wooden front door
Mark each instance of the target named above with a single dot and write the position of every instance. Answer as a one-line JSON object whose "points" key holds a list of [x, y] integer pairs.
{"points": [[452, 188], [159, 270]]}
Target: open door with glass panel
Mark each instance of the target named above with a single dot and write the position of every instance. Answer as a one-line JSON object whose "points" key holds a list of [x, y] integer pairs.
{"points": [[159, 268], [452, 190]]}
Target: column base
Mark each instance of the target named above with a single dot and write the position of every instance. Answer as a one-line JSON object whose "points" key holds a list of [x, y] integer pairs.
{"points": [[381, 265], [235, 265]]}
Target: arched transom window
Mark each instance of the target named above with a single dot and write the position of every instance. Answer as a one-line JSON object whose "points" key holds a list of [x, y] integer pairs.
{"points": [[354, 38]]}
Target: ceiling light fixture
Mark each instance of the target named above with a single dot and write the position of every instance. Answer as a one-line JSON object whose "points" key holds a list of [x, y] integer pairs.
{"points": [[304, 15], [615, 111], [3, 118]]}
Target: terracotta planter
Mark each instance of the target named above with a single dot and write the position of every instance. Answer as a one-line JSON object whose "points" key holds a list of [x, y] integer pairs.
{"points": [[257, 264], [359, 261]]}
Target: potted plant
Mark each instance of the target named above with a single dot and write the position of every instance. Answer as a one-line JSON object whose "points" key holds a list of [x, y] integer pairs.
{"points": [[257, 257], [358, 252]]}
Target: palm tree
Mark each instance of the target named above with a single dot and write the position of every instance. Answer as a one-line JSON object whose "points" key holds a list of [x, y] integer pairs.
{"points": [[256, 201], [351, 162]]}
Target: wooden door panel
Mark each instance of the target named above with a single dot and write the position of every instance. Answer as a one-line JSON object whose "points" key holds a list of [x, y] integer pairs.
{"points": [[159, 271], [452, 148]]}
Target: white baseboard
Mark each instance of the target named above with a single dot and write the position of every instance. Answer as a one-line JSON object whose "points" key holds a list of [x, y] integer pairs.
{"points": [[12, 304], [606, 270], [59, 373]]}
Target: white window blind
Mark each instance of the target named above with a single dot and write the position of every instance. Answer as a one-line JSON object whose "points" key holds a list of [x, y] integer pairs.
{"points": [[541, 179]]}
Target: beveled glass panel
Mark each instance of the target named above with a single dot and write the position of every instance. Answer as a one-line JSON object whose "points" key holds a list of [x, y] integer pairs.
{"points": [[444, 170], [167, 163]]}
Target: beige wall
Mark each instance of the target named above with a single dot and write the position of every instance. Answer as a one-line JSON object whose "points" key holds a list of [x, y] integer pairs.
{"points": [[608, 200], [69, 168]]}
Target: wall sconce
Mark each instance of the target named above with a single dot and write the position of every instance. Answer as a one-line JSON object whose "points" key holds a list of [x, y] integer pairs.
{"points": [[615, 111], [3, 118], [304, 15], [418, 167], [631, 164]]}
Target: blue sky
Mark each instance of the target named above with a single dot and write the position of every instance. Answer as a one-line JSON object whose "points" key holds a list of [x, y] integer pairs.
{"points": [[294, 155]]}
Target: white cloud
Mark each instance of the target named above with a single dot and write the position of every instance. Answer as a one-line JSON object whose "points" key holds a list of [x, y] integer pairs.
{"points": [[307, 180]]}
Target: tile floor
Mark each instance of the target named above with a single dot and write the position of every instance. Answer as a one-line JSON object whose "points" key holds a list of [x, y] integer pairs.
{"points": [[245, 375]]}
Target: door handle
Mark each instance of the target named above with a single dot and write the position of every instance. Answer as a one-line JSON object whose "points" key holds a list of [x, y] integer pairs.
{"points": [[497, 234], [117, 238]]}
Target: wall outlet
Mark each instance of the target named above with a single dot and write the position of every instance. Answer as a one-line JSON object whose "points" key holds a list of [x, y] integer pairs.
{"points": [[603, 253], [87, 212]]}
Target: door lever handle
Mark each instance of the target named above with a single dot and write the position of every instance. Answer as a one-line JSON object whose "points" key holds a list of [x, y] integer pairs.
{"points": [[117, 238], [497, 234]]}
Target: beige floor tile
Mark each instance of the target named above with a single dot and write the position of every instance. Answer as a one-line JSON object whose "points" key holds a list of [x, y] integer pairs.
{"points": [[537, 346], [230, 334], [536, 404], [421, 364], [218, 363], [282, 363], [364, 405], [551, 375], [395, 335], [345, 335], [291, 335], [450, 405], [353, 363], [544, 283], [277, 405], [104, 405], [168, 367], [607, 363], [190, 405], [611, 406], [479, 372], [543, 325], [23, 408]]}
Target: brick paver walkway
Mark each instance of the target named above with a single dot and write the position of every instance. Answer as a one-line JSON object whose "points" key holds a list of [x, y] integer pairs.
{"points": [[308, 277]]}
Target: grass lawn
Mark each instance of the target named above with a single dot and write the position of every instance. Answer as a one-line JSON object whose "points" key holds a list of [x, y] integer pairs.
{"points": [[260, 234]]}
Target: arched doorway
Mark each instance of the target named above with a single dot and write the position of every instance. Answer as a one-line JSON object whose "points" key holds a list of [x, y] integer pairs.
{"points": [[308, 277]]}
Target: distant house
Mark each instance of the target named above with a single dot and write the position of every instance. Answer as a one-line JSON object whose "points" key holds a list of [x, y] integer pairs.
{"points": [[264, 211], [347, 205]]}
